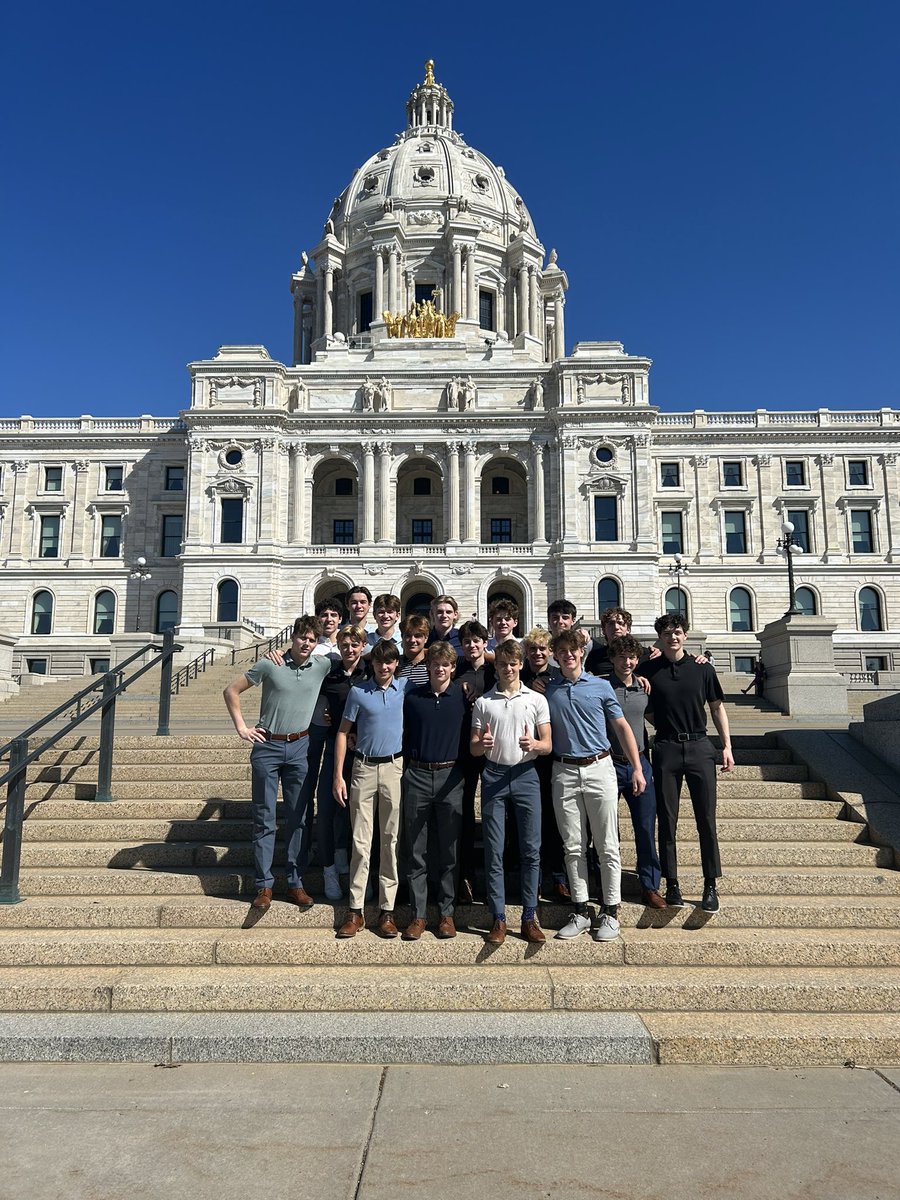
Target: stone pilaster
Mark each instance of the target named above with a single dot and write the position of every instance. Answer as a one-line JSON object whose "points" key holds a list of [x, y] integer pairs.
{"points": [[835, 547], [471, 513], [298, 453], [367, 495], [385, 531], [891, 484], [453, 491], [539, 531]]}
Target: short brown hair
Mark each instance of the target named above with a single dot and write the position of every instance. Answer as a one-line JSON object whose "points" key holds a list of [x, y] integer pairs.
{"points": [[307, 624], [386, 601], [626, 644], [444, 600], [385, 651], [508, 651], [441, 652], [615, 611], [503, 606], [473, 629], [416, 623], [675, 620], [569, 639]]}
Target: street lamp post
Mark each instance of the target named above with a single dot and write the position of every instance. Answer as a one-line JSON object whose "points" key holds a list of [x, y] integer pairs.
{"points": [[676, 570], [140, 573], [787, 547]]}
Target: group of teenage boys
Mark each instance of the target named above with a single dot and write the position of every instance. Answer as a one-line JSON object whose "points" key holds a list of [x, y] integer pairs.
{"points": [[387, 730]]}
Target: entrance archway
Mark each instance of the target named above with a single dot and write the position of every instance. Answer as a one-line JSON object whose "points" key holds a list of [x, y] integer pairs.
{"points": [[416, 599], [505, 589]]}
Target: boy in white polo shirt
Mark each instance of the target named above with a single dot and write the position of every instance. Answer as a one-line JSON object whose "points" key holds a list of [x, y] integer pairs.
{"points": [[511, 727]]}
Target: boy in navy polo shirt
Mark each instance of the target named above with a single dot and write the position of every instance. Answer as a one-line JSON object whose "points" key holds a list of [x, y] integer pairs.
{"points": [[376, 709]]}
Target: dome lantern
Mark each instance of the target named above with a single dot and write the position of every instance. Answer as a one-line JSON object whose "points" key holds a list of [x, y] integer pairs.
{"points": [[429, 104]]}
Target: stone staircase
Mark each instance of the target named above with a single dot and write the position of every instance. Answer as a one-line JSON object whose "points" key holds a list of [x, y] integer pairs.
{"points": [[138, 909]]}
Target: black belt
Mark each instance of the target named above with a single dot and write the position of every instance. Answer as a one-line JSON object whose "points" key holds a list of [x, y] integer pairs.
{"points": [[285, 737], [580, 762], [431, 766], [377, 761], [620, 759], [684, 737]]}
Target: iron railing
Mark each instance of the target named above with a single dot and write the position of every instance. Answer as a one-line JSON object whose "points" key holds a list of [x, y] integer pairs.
{"points": [[197, 666], [20, 757], [283, 635]]}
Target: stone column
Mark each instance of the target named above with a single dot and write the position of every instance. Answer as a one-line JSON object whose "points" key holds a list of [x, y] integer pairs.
{"points": [[892, 542], [80, 468], [568, 474], [534, 291], [328, 301], [706, 536], [453, 491], [834, 548], [385, 533], [522, 308], [456, 305], [393, 304], [471, 312], [367, 494], [537, 472], [298, 454], [559, 329], [472, 520], [378, 298], [318, 323], [764, 490]]}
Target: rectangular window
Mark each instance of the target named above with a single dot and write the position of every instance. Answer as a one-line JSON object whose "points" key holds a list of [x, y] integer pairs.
{"points": [[172, 528], [49, 537], [36, 666], [733, 474], [365, 311], [53, 479], [795, 473], [343, 485], [861, 531], [500, 485], [111, 537], [174, 479], [115, 479], [858, 472], [486, 310], [424, 293], [799, 518], [422, 486], [99, 666], [743, 664], [736, 532], [421, 533], [501, 531], [343, 533], [232, 531], [876, 662], [670, 474], [606, 519], [672, 536]]}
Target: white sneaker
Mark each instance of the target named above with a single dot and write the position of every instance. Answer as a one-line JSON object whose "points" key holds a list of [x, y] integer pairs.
{"points": [[333, 889], [341, 862], [576, 924], [606, 930]]}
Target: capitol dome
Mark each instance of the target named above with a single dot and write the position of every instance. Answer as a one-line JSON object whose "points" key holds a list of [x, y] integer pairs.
{"points": [[428, 219]]}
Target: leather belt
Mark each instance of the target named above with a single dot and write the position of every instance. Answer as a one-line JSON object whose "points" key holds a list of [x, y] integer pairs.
{"points": [[376, 761], [620, 759], [570, 761], [684, 737], [285, 737], [431, 766]]}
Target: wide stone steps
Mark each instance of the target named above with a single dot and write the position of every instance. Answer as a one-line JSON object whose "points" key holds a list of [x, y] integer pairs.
{"points": [[514, 988], [316, 947]]}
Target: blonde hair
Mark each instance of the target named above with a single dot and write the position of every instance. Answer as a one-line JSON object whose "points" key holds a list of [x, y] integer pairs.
{"points": [[536, 637]]}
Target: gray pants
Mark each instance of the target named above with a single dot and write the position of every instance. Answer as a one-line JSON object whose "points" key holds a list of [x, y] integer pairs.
{"points": [[433, 796]]}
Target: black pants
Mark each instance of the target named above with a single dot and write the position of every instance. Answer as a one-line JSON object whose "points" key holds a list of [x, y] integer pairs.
{"points": [[695, 762], [432, 797]]}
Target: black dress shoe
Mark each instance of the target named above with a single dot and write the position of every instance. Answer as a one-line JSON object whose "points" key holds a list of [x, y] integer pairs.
{"points": [[710, 901], [674, 898]]}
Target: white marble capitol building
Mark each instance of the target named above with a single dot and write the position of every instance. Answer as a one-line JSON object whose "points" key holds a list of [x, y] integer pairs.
{"points": [[433, 435]]}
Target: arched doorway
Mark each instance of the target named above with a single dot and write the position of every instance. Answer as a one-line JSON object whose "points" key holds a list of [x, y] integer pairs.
{"points": [[416, 598], [335, 502], [505, 589], [420, 504], [331, 589], [504, 502]]}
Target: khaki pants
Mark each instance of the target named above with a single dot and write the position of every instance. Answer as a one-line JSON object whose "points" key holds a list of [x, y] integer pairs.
{"points": [[375, 785], [582, 795]]}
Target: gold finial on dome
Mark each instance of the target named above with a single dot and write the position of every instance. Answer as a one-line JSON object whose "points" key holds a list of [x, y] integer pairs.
{"points": [[429, 71]]}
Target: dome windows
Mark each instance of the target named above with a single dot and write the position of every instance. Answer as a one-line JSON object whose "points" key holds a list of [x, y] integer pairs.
{"points": [[370, 184], [233, 456], [480, 183], [425, 175]]}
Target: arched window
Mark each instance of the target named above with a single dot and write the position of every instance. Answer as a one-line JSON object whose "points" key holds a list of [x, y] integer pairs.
{"points": [[740, 608], [806, 601], [42, 613], [609, 595], [227, 607], [166, 612], [105, 612], [677, 601], [869, 602]]}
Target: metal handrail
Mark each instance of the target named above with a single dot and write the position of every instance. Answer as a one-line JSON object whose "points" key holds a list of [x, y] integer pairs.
{"points": [[283, 635], [197, 665], [20, 756]]}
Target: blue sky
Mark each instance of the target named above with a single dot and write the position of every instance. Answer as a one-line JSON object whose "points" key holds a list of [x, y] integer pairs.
{"points": [[721, 182]]}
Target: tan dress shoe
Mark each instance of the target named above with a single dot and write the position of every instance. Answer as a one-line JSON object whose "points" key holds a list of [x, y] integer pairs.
{"points": [[414, 929], [497, 935], [300, 897], [532, 932], [263, 899], [351, 926], [446, 928], [385, 926]]}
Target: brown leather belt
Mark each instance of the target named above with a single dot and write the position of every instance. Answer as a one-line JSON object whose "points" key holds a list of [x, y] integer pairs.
{"points": [[580, 762], [431, 766], [285, 737]]}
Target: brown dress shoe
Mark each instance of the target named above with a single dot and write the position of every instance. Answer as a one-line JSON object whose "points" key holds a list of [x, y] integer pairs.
{"points": [[465, 892], [300, 897], [263, 899], [414, 929], [351, 926], [561, 893], [446, 928], [652, 898], [385, 926], [497, 935], [532, 932]]}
